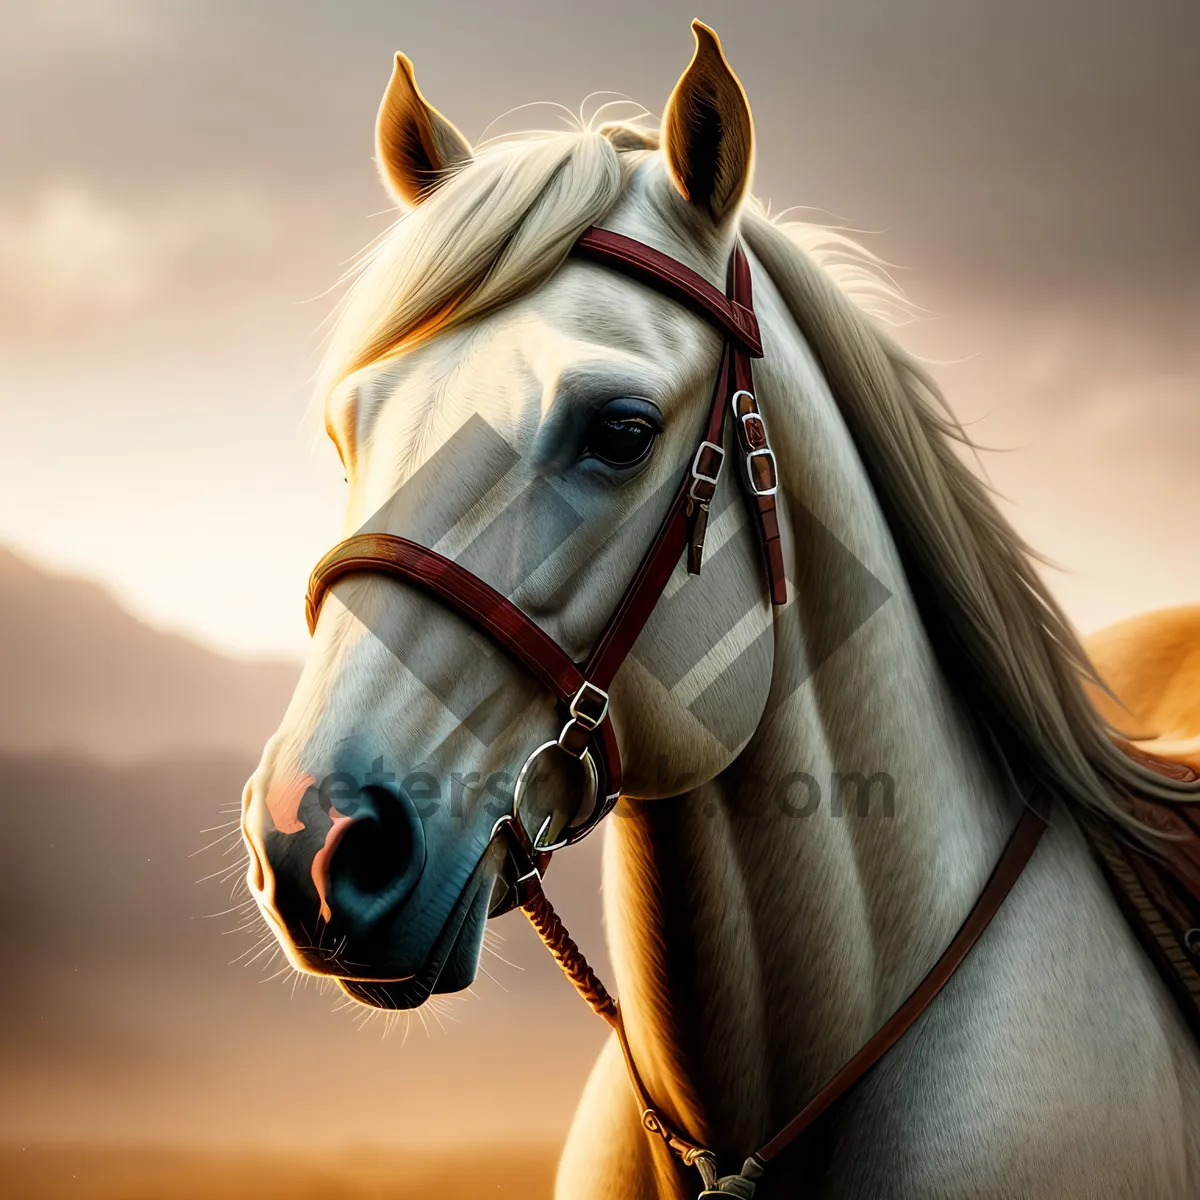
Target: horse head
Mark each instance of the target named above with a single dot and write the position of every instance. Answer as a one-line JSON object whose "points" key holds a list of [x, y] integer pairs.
{"points": [[528, 416]]}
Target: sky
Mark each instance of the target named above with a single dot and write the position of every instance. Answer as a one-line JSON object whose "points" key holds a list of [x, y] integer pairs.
{"points": [[182, 184]]}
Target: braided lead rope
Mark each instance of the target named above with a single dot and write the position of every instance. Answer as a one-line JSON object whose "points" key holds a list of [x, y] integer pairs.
{"points": [[1022, 842], [536, 906], [569, 957]]}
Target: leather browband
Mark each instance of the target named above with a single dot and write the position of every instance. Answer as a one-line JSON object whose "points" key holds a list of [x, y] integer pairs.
{"points": [[652, 267]]}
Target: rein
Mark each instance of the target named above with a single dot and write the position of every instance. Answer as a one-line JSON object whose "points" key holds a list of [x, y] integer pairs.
{"points": [[582, 689], [537, 907]]}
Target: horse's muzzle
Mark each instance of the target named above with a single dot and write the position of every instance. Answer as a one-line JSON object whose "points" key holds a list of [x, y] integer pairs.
{"points": [[343, 886]]}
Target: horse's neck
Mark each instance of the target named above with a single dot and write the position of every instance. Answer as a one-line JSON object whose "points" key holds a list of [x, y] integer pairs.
{"points": [[763, 926]]}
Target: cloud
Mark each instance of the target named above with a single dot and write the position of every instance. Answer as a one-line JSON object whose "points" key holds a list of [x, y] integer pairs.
{"points": [[73, 259], [70, 256], [107, 24]]}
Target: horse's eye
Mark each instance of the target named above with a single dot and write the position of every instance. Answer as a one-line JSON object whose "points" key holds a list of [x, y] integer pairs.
{"points": [[621, 441]]}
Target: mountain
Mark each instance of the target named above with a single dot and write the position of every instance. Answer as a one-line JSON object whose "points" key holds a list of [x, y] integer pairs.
{"points": [[127, 1014], [139, 1004], [80, 672]]}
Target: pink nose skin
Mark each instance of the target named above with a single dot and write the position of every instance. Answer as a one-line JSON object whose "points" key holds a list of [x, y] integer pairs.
{"points": [[320, 863], [283, 802], [331, 865], [283, 809]]}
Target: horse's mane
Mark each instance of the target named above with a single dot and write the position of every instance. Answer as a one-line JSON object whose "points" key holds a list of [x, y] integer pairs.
{"points": [[487, 235], [1001, 638], [507, 221]]}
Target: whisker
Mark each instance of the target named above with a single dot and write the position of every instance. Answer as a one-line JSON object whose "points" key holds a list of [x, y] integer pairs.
{"points": [[259, 924], [492, 978], [216, 842], [236, 908], [224, 825], [224, 873], [500, 958], [259, 955], [282, 970], [261, 942]]}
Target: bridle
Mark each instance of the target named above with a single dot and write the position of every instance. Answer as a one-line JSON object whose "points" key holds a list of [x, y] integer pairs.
{"points": [[582, 690]]}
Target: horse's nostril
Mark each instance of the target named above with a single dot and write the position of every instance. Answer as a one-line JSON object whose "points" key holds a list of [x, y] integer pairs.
{"points": [[373, 849], [378, 858]]}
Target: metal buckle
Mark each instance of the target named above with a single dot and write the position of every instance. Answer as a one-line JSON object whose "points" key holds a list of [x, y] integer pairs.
{"points": [[733, 403], [587, 694], [699, 476], [765, 452]]}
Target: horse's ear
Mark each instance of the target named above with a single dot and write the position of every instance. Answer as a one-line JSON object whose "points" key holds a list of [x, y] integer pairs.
{"points": [[707, 133], [415, 146]]}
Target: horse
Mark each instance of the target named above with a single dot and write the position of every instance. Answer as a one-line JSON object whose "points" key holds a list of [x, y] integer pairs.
{"points": [[814, 791]]}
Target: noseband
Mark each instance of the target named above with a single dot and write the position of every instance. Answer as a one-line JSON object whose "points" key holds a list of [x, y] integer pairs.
{"points": [[582, 690]]}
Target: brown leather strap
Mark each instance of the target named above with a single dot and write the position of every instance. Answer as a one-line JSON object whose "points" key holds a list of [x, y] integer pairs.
{"points": [[1007, 871], [643, 593], [683, 525], [455, 587], [680, 282], [1012, 862], [759, 473], [685, 520]]}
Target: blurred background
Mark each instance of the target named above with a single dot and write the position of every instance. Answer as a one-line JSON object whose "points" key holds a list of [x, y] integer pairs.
{"points": [[181, 184]]}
